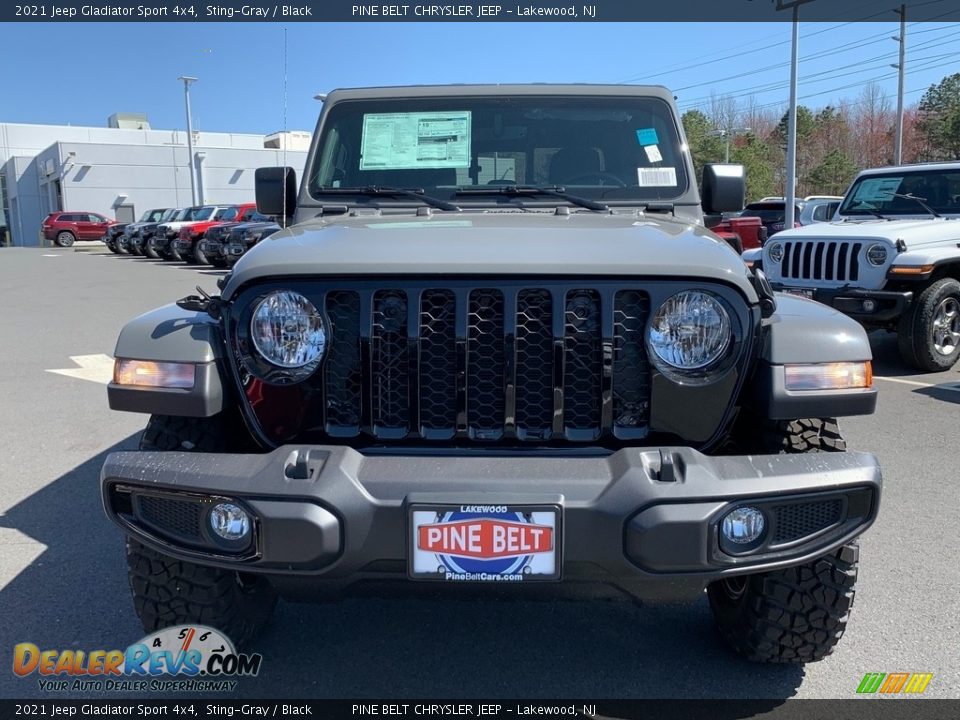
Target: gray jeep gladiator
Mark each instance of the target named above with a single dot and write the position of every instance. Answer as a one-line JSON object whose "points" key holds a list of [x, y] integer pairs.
{"points": [[494, 345]]}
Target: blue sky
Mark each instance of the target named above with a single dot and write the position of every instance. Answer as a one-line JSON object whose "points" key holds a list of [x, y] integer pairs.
{"points": [[93, 70]]}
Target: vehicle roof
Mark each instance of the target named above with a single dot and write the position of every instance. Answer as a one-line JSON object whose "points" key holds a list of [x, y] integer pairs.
{"points": [[943, 165], [490, 90]]}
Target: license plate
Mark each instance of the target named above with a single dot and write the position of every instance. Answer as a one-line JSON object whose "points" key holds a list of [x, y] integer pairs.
{"points": [[802, 292], [484, 543]]}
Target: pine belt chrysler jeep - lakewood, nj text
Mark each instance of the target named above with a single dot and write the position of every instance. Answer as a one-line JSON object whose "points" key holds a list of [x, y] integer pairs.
{"points": [[494, 344]]}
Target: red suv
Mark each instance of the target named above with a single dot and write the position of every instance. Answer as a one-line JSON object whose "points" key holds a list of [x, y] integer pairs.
{"points": [[65, 228]]}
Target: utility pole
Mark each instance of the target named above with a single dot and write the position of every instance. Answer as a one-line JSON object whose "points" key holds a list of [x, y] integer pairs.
{"points": [[901, 68], [790, 191], [187, 80]]}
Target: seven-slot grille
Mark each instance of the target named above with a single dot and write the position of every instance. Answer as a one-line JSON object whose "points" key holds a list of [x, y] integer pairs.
{"points": [[835, 260], [535, 363]]}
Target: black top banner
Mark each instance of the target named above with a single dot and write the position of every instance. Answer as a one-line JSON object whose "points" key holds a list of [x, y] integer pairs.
{"points": [[638, 11]]}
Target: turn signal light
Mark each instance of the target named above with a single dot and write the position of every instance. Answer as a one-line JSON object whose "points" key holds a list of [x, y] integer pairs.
{"points": [[829, 376], [145, 373], [911, 270]]}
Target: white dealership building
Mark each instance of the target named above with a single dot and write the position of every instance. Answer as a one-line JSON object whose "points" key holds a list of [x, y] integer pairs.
{"points": [[126, 168]]}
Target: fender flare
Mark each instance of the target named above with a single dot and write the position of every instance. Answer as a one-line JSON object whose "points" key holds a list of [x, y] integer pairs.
{"points": [[172, 334]]}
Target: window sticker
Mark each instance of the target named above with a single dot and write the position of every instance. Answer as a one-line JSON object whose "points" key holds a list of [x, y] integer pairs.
{"points": [[876, 190], [647, 136], [656, 177], [653, 153], [415, 140]]}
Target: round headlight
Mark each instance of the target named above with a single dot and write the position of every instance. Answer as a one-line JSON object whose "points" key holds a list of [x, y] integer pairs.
{"points": [[877, 254], [288, 331], [776, 252], [690, 331]]}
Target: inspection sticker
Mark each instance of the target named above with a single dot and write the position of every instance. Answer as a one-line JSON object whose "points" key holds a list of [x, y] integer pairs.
{"points": [[647, 136]]}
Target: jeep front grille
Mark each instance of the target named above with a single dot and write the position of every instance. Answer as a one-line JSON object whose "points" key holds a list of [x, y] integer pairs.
{"points": [[834, 260], [508, 362]]}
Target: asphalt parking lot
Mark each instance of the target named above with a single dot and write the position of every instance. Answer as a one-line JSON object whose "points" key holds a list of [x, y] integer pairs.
{"points": [[62, 570]]}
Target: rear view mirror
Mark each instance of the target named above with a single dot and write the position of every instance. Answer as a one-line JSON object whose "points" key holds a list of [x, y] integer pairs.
{"points": [[276, 191], [724, 188]]}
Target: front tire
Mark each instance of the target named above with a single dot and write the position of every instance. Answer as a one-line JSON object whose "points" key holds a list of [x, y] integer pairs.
{"points": [[797, 614], [65, 238], [794, 615], [929, 332], [148, 250], [167, 591], [199, 256]]}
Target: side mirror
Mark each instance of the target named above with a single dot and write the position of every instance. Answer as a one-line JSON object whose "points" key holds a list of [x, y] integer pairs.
{"points": [[724, 188], [276, 191]]}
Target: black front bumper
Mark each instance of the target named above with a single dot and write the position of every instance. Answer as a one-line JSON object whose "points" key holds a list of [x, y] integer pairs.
{"points": [[886, 305], [644, 519]]}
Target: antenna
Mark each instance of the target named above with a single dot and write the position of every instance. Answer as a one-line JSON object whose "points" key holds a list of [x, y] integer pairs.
{"points": [[286, 138]]}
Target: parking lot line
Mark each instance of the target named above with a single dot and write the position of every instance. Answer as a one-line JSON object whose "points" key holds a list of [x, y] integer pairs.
{"points": [[952, 388]]}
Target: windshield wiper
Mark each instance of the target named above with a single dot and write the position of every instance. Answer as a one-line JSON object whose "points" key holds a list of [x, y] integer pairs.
{"points": [[918, 200], [868, 208], [415, 193], [526, 190]]}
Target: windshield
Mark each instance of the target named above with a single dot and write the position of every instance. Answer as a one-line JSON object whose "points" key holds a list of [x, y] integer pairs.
{"points": [[168, 215], [614, 149], [202, 213], [940, 189]]}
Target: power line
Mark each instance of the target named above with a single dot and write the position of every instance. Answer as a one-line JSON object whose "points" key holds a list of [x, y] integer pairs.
{"points": [[822, 75]]}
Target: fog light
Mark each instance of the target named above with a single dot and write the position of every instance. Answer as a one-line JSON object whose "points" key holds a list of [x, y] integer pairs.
{"points": [[743, 526], [869, 305], [229, 522]]}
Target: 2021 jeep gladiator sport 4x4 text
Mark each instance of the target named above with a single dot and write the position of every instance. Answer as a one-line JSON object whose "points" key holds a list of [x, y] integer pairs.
{"points": [[890, 259], [495, 345]]}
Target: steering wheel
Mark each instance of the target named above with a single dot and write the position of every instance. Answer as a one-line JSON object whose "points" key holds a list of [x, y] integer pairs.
{"points": [[602, 177]]}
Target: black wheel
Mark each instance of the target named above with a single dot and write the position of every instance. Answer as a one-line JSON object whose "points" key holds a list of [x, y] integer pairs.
{"points": [[171, 253], [167, 591], [112, 247], [65, 238], [122, 248], [798, 614], [148, 250], [218, 261], [929, 332]]}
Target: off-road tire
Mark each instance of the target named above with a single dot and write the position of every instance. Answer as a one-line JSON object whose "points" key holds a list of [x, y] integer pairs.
{"points": [[798, 614], [147, 250], [167, 591], [915, 332], [218, 262], [198, 256], [795, 615], [65, 238], [121, 249]]}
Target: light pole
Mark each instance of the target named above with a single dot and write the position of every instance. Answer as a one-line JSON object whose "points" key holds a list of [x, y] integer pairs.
{"points": [[901, 68], [790, 191], [726, 135], [186, 96]]}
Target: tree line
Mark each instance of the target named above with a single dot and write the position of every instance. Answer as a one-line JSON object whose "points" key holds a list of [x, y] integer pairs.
{"points": [[833, 142]]}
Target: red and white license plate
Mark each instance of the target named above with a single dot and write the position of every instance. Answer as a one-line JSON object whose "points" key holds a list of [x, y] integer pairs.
{"points": [[484, 543]]}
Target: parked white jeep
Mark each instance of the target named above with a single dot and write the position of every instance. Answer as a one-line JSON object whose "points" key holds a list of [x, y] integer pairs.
{"points": [[890, 259]]}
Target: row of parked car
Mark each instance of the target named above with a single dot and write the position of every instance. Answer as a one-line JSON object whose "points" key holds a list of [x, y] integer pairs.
{"points": [[201, 235]]}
